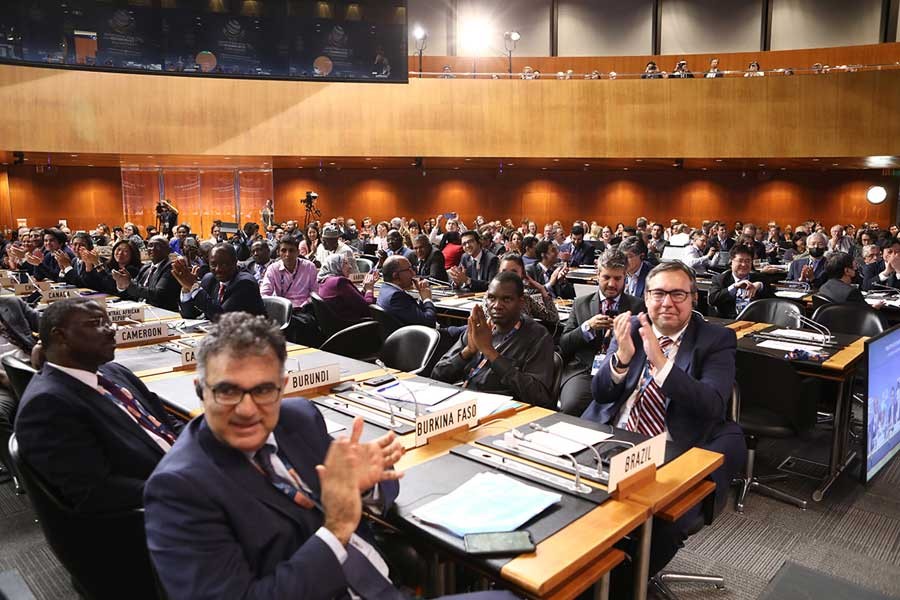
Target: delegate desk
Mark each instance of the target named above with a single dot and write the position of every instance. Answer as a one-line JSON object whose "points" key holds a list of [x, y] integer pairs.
{"points": [[839, 367]]}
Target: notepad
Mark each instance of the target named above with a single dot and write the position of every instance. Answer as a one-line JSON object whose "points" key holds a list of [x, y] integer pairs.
{"points": [[487, 404], [578, 438], [333, 427], [791, 294], [789, 346], [424, 394], [797, 334]]}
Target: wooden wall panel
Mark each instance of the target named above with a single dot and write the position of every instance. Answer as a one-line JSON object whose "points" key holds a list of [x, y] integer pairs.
{"points": [[843, 114], [607, 197]]}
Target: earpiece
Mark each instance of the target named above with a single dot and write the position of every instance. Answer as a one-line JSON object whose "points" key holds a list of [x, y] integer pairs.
{"points": [[198, 387]]}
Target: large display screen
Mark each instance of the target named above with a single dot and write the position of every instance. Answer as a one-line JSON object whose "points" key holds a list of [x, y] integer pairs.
{"points": [[883, 406], [282, 39]]}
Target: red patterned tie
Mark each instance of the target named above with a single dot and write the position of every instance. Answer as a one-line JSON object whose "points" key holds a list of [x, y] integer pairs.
{"points": [[221, 293], [648, 415]]}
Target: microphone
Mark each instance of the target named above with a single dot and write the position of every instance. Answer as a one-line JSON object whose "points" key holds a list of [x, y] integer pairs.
{"points": [[518, 436], [381, 364], [826, 333], [887, 288], [542, 429]]}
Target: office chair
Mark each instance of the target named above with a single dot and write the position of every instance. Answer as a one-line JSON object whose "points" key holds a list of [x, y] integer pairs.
{"points": [[777, 405], [19, 374], [328, 321], [278, 309], [410, 348], [361, 341], [777, 311], [819, 300], [853, 319], [104, 553], [389, 323], [364, 265]]}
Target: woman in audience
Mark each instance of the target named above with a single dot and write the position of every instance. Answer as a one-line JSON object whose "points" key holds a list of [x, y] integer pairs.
{"points": [[515, 242], [532, 229], [380, 239], [451, 248], [335, 288], [132, 232], [98, 275], [799, 249], [310, 245]]}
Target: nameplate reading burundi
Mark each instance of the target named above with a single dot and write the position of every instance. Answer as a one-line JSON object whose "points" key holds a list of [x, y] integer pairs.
{"points": [[146, 333], [314, 377], [634, 459], [464, 414]]}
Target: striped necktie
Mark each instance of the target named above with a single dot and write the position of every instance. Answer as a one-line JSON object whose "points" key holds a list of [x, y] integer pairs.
{"points": [[648, 415]]}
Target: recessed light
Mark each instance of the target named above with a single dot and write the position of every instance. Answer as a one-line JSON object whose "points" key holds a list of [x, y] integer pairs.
{"points": [[555, 160], [74, 155], [368, 158], [587, 164], [639, 160], [834, 164], [718, 160], [815, 160], [468, 159], [331, 163]]}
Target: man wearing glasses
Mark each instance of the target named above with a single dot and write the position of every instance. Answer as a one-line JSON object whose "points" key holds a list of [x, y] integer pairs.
{"points": [[257, 500], [89, 427], [734, 289], [668, 371], [399, 279]]}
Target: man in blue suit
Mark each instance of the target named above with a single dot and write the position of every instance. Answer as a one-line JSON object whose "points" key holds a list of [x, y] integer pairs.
{"points": [[256, 500], [668, 371], [478, 266], [399, 278], [811, 270], [224, 289], [635, 250]]}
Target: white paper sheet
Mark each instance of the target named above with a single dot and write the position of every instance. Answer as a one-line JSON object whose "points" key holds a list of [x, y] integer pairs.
{"points": [[333, 427], [558, 446], [797, 334], [791, 294], [425, 393], [488, 404], [789, 346]]}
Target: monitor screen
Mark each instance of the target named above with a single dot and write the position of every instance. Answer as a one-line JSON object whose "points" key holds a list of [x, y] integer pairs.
{"points": [[883, 406]]}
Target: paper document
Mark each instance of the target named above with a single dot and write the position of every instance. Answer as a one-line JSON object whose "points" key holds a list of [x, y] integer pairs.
{"points": [[797, 334], [333, 427], [790, 346], [558, 445], [791, 294], [488, 404], [425, 394], [453, 301], [488, 502]]}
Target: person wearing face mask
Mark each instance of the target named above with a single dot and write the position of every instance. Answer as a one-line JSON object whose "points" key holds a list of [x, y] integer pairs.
{"points": [[812, 270], [841, 272], [734, 289]]}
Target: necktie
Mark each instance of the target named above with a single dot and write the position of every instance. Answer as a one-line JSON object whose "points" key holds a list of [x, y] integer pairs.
{"points": [[648, 415], [221, 293], [145, 419], [362, 577], [150, 273]]}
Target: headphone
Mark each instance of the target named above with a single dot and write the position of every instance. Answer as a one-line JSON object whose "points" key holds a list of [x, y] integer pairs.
{"points": [[198, 388]]}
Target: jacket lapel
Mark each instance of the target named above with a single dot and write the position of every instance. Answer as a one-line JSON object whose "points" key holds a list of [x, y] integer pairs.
{"points": [[685, 355]]}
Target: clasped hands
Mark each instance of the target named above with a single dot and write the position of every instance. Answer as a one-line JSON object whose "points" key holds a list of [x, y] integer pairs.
{"points": [[184, 274], [352, 467], [625, 350], [752, 288], [479, 336]]}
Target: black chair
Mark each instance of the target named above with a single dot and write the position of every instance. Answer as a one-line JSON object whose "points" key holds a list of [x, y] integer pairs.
{"points": [[777, 403], [364, 265], [106, 554], [328, 321], [777, 311], [819, 300], [410, 348], [19, 374], [853, 319], [362, 341], [279, 309], [389, 323]]}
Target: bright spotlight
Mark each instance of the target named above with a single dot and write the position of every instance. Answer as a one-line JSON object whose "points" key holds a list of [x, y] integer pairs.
{"points": [[419, 33], [512, 35], [474, 36], [876, 194]]}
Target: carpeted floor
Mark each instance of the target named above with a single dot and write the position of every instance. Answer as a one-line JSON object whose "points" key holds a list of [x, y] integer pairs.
{"points": [[853, 534]]}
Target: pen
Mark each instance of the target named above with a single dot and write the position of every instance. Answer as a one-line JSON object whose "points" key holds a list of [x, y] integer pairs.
{"points": [[387, 387]]}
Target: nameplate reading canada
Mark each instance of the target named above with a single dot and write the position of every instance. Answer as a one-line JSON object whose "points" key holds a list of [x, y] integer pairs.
{"points": [[630, 461], [54, 294], [146, 333], [314, 377], [434, 423]]}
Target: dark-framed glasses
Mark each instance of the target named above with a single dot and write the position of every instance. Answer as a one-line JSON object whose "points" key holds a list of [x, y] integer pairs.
{"points": [[228, 394], [677, 296]]}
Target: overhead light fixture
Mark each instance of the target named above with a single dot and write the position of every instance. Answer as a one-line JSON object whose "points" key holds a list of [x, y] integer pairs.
{"points": [[419, 33], [876, 194], [815, 160], [513, 36], [474, 35], [879, 162], [718, 160]]}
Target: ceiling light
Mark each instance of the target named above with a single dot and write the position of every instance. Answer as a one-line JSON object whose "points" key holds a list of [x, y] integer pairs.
{"points": [[512, 35], [718, 160], [878, 162], [876, 194], [555, 160], [419, 33], [368, 159], [587, 164], [639, 160], [815, 160], [468, 159]]}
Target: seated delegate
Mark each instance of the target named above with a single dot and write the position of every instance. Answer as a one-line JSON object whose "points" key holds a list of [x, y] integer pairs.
{"points": [[734, 289], [224, 289]]}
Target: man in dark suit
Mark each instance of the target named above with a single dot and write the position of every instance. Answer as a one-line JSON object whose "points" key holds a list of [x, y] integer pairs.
{"points": [[477, 267], [668, 371], [256, 499], [721, 241], [549, 272], [588, 331], [635, 250], [582, 252], [872, 265], [812, 270], [18, 323], [395, 247], [261, 254], [399, 278], [87, 426], [734, 289], [430, 260], [840, 268], [154, 282], [224, 289]]}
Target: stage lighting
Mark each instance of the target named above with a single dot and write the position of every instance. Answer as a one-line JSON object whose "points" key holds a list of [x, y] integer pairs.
{"points": [[419, 33], [876, 194]]}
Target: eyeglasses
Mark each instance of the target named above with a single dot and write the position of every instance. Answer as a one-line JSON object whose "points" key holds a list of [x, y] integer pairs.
{"points": [[677, 296], [228, 394]]}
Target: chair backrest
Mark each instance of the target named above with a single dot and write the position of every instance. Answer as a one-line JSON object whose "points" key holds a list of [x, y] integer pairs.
{"points": [[19, 373], [364, 265], [854, 319], [410, 348], [279, 310], [558, 366], [818, 301], [328, 321], [389, 323], [781, 391], [362, 341], [104, 553], [370, 257], [777, 311]]}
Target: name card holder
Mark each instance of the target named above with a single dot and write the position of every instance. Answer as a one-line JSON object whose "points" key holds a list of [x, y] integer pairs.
{"points": [[55, 294], [129, 313], [443, 423], [633, 468], [139, 335], [23, 289], [314, 377]]}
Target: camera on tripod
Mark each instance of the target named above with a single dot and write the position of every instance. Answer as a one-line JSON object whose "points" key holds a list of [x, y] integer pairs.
{"points": [[310, 204]]}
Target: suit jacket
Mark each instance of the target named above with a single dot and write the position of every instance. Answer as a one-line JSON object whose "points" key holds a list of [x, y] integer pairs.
{"points": [[576, 350], [698, 387], [870, 274], [641, 275], [20, 320], [433, 266], [241, 294], [488, 266], [162, 289], [405, 308], [724, 302], [839, 292], [563, 289], [250, 267], [84, 446], [819, 276], [49, 268], [217, 528], [721, 246], [586, 254]]}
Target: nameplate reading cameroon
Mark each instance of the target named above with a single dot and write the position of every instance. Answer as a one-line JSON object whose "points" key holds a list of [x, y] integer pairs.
{"points": [[314, 377], [435, 423], [142, 334], [630, 461]]}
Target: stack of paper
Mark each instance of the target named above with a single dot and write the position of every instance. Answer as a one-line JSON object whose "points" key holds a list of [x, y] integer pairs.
{"points": [[566, 438]]}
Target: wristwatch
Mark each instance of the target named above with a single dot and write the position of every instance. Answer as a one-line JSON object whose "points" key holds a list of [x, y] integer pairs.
{"points": [[616, 364]]}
